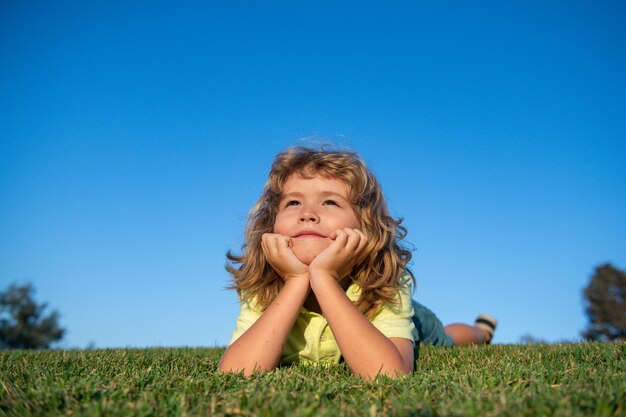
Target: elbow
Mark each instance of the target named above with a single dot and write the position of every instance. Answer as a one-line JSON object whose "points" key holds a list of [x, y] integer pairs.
{"points": [[397, 373], [393, 372], [234, 370], [246, 370], [224, 367]]}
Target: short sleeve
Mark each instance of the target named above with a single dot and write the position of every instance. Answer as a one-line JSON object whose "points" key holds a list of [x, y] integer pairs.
{"points": [[396, 320], [247, 316]]}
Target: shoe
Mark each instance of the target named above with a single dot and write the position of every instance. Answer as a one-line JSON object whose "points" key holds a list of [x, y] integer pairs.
{"points": [[488, 324]]}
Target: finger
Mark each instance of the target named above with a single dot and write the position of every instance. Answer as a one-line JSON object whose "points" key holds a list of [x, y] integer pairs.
{"points": [[362, 239], [341, 237], [282, 243], [267, 244], [353, 239], [264, 240], [360, 250], [271, 242]]}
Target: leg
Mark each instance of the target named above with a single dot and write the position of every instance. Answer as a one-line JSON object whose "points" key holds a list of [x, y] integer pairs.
{"points": [[480, 333], [429, 327], [464, 334]]}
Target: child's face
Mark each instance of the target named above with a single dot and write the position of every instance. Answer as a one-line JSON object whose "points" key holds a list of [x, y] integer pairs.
{"points": [[310, 210]]}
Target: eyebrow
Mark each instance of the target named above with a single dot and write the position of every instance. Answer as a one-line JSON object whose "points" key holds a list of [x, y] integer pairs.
{"points": [[323, 193]]}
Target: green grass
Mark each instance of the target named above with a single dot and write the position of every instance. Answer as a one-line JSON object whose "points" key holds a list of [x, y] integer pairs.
{"points": [[538, 380]]}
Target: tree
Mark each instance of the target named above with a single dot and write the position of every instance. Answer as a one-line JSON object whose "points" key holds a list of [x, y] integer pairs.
{"points": [[529, 339], [606, 304], [23, 324]]}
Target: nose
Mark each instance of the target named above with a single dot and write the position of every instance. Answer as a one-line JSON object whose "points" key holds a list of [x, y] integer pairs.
{"points": [[308, 215]]}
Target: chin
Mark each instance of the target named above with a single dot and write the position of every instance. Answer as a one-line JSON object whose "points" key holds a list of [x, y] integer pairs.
{"points": [[307, 249]]}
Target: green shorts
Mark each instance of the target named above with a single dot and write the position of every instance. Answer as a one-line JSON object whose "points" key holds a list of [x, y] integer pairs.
{"points": [[429, 327]]}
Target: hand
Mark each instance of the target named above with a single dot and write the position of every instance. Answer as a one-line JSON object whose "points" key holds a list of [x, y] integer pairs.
{"points": [[346, 251], [277, 250]]}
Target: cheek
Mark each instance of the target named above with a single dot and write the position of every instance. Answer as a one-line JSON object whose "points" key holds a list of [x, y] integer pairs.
{"points": [[280, 224], [350, 220], [307, 249]]}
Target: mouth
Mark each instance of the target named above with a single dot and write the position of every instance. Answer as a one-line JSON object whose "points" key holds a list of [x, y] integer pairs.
{"points": [[309, 233]]}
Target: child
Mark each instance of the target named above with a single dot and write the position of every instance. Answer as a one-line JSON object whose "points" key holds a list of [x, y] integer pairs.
{"points": [[323, 275]]}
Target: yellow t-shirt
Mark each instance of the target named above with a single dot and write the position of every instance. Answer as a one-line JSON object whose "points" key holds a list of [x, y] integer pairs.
{"points": [[312, 341]]}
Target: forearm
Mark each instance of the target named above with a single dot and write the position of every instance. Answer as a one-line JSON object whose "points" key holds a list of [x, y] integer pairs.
{"points": [[259, 348], [365, 349]]}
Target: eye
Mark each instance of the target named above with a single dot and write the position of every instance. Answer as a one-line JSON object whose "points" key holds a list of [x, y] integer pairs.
{"points": [[292, 203], [331, 203]]}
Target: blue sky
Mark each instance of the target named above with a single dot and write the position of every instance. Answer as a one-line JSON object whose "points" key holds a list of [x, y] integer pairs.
{"points": [[134, 137]]}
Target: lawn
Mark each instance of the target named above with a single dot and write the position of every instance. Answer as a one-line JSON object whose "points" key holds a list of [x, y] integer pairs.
{"points": [[499, 380]]}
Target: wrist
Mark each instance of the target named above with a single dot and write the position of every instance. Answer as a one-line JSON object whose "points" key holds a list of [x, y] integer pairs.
{"points": [[303, 278], [322, 278]]}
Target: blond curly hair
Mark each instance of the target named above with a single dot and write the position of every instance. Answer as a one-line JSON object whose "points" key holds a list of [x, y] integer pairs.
{"points": [[378, 275]]}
